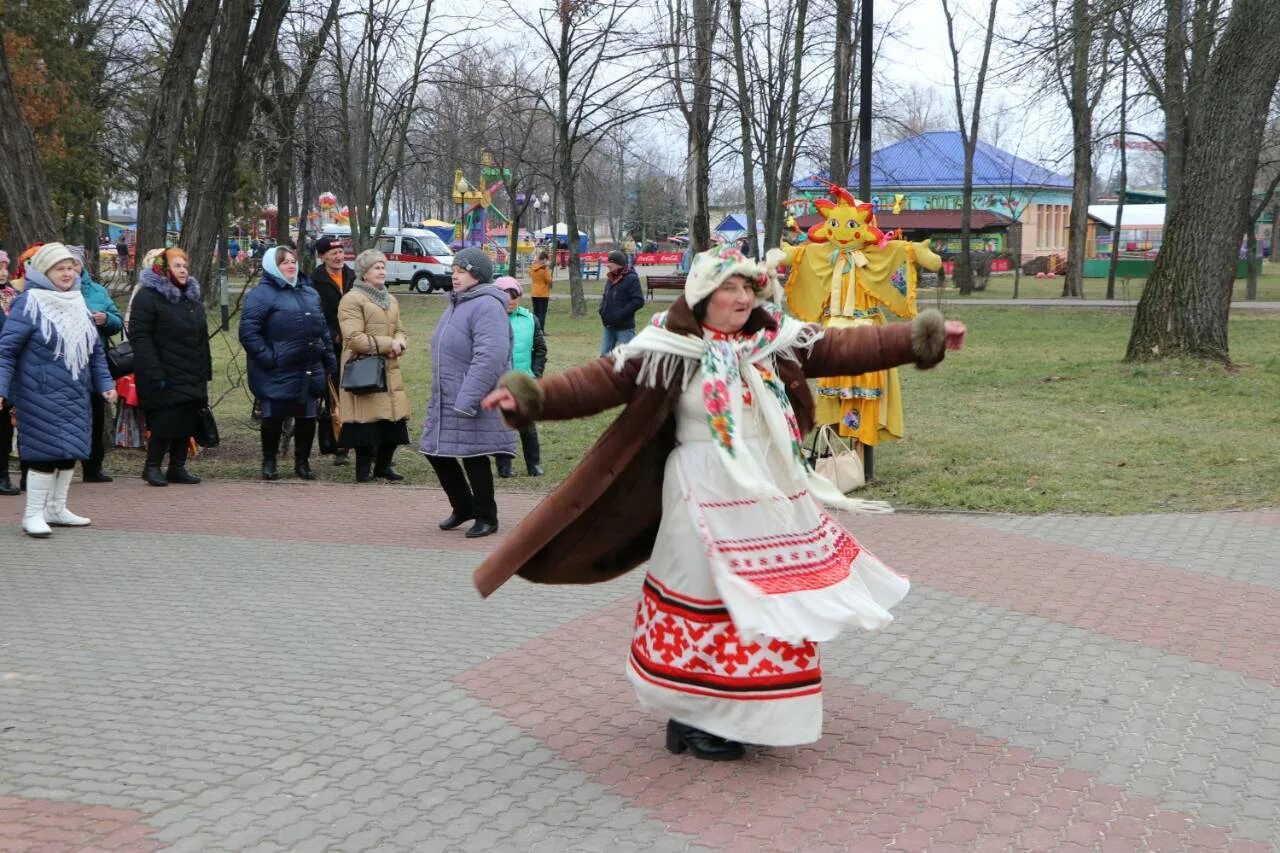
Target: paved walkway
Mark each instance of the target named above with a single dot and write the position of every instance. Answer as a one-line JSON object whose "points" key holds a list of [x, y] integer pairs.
{"points": [[250, 666]]}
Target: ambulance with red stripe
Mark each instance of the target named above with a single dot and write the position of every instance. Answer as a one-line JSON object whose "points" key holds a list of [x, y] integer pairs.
{"points": [[415, 256]]}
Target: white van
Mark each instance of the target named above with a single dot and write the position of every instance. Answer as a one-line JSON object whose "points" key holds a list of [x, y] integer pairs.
{"points": [[415, 256]]}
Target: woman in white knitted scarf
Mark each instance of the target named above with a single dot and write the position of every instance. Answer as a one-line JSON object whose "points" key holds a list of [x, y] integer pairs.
{"points": [[51, 359]]}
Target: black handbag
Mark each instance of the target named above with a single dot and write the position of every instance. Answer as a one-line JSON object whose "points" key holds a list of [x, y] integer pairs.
{"points": [[206, 434], [365, 374], [120, 359]]}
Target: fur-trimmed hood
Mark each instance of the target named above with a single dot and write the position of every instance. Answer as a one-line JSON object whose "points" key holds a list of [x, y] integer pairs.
{"points": [[163, 285]]}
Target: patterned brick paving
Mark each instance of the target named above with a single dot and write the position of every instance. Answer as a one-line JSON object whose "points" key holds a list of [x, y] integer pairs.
{"points": [[250, 666], [31, 825]]}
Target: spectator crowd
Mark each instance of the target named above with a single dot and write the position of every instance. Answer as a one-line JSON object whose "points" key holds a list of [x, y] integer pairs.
{"points": [[323, 354]]}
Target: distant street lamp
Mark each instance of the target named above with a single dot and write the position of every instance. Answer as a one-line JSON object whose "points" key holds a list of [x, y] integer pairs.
{"points": [[537, 213]]}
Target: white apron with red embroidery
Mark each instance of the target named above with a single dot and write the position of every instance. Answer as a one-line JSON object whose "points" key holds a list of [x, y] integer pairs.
{"points": [[739, 592]]}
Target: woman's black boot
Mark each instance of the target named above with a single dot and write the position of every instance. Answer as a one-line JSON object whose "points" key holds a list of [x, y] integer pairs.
{"points": [[304, 433], [702, 744], [364, 464], [272, 430]]}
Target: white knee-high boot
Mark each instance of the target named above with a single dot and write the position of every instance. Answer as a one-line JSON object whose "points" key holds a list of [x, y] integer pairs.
{"points": [[39, 484], [55, 511]]}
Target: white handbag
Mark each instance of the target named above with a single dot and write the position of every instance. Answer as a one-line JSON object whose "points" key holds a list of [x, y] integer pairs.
{"points": [[837, 462]]}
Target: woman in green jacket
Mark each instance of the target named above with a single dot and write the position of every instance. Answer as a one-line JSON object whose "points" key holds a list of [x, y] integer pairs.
{"points": [[528, 355], [109, 322]]}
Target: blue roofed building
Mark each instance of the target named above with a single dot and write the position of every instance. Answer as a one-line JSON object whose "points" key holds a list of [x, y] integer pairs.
{"points": [[927, 173]]}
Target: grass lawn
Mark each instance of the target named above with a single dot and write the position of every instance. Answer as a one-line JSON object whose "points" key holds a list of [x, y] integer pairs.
{"points": [[1030, 287], [1037, 414]]}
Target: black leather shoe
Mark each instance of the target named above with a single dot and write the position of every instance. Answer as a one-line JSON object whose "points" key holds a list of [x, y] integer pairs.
{"points": [[7, 488], [154, 476], [536, 471], [269, 469], [180, 474], [340, 458], [454, 521], [482, 528], [302, 470], [702, 744], [505, 471], [95, 475], [364, 473], [390, 474]]}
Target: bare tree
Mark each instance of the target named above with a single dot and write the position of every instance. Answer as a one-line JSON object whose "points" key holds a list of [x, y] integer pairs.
{"points": [[589, 90], [1213, 149], [243, 45], [969, 135], [24, 186], [690, 49], [744, 122], [785, 101], [377, 105], [170, 113], [842, 93], [1124, 177], [289, 86]]}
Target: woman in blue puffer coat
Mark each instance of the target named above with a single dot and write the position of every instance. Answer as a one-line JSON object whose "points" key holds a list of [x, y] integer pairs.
{"points": [[290, 354], [470, 349], [51, 359]]}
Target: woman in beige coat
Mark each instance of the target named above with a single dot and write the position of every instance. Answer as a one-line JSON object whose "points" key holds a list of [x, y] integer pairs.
{"points": [[374, 424]]}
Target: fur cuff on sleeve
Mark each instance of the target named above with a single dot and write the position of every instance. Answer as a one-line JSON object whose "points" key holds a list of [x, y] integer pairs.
{"points": [[528, 396], [928, 338]]}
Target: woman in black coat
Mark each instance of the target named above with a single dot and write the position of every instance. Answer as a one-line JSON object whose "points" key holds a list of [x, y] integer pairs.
{"points": [[171, 361], [286, 341]]}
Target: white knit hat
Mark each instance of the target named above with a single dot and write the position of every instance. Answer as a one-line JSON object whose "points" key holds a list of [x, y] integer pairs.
{"points": [[49, 256], [708, 270]]}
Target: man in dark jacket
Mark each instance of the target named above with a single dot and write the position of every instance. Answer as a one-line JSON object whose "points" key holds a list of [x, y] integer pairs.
{"points": [[331, 279], [622, 298]]}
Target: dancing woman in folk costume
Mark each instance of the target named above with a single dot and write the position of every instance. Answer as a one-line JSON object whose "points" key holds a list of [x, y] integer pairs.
{"points": [[850, 273], [703, 477]]}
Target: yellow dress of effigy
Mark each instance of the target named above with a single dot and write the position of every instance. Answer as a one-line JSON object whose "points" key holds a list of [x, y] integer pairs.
{"points": [[850, 273]]}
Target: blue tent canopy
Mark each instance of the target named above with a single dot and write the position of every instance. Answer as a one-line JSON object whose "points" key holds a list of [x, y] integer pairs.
{"points": [[936, 161], [734, 223]]}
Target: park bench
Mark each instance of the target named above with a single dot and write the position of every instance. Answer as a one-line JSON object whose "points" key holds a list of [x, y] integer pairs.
{"points": [[592, 269], [663, 282]]}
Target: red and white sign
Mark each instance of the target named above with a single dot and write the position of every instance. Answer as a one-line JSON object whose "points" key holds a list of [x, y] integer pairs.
{"points": [[649, 259]]}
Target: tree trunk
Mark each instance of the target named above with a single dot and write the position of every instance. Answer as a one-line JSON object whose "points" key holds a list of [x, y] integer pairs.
{"points": [[284, 189], [1015, 243], [24, 186], [308, 182], [964, 265], [237, 64], [787, 162], [698, 163], [1124, 179], [744, 122], [89, 238], [169, 113], [1175, 100], [1251, 258], [1081, 146], [1187, 300], [841, 101]]}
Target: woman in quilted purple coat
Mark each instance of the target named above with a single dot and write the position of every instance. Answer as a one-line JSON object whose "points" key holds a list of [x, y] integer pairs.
{"points": [[51, 360], [470, 349]]}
